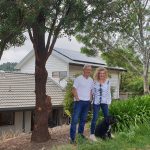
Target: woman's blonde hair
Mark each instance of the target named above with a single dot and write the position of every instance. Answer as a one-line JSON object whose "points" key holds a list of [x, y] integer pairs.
{"points": [[97, 71]]}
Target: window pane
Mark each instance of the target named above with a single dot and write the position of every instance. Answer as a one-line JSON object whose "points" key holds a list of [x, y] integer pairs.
{"points": [[55, 74], [59, 74], [6, 118], [63, 74]]}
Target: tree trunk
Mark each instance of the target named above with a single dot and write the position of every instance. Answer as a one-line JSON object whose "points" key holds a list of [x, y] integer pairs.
{"points": [[40, 132], [145, 77]]}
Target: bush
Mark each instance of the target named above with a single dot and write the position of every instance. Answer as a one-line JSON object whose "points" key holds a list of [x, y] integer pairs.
{"points": [[132, 83], [68, 100], [131, 112]]}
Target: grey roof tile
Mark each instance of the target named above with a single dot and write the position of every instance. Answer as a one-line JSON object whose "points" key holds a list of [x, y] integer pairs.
{"points": [[17, 90]]}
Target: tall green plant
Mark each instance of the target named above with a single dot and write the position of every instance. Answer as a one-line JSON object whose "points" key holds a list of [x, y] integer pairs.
{"points": [[131, 112], [131, 82], [68, 100]]}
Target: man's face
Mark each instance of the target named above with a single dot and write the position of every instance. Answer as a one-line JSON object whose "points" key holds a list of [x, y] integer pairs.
{"points": [[87, 71]]}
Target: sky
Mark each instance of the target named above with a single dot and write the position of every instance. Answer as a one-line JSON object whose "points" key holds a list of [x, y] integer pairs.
{"points": [[15, 54]]}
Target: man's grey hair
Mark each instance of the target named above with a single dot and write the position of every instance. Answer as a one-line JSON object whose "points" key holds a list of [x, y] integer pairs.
{"points": [[87, 66]]}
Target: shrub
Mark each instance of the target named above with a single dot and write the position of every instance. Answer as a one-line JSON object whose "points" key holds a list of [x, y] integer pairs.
{"points": [[132, 83], [131, 112], [68, 100]]}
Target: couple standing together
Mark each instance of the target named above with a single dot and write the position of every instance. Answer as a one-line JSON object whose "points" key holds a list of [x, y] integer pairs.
{"points": [[84, 91]]}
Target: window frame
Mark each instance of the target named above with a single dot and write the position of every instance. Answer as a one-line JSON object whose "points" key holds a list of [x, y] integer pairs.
{"points": [[58, 74]]}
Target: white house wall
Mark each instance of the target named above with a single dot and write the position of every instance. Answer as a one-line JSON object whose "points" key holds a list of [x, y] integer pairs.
{"points": [[29, 67], [115, 83], [74, 70], [53, 64]]}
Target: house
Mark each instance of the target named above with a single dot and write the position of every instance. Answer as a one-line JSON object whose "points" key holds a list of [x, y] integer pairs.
{"points": [[17, 101], [64, 64]]}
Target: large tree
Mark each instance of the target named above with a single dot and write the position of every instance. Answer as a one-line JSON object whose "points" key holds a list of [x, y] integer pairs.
{"points": [[126, 27], [52, 17], [40, 17]]}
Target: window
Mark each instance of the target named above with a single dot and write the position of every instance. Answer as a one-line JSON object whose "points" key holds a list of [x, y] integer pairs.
{"points": [[59, 74], [6, 118], [63, 74], [55, 74]]}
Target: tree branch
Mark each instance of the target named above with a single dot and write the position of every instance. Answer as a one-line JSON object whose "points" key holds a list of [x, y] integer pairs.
{"points": [[146, 4], [3, 42], [57, 30], [52, 26], [131, 64], [30, 35]]}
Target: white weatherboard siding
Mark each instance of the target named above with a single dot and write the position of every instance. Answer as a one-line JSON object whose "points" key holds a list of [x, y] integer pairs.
{"points": [[53, 64], [74, 70], [115, 82], [29, 66], [56, 64]]}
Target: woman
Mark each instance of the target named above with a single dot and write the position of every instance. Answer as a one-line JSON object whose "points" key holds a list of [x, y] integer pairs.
{"points": [[101, 96]]}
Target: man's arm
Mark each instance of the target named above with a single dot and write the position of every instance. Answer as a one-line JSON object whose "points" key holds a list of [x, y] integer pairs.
{"points": [[75, 94], [91, 96]]}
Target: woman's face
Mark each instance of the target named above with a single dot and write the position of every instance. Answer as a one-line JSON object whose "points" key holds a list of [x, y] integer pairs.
{"points": [[102, 75]]}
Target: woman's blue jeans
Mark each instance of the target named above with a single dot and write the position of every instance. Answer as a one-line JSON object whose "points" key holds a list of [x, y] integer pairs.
{"points": [[96, 109], [80, 111]]}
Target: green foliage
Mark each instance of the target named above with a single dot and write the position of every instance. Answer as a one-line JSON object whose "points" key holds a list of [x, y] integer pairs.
{"points": [[131, 112], [131, 82], [8, 66], [11, 25], [58, 18], [125, 58], [135, 138], [68, 100], [118, 33]]}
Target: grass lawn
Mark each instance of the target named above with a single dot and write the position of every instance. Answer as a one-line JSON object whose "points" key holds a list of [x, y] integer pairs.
{"points": [[136, 138]]}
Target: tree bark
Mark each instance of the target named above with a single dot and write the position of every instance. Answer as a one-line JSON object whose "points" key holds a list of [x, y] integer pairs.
{"points": [[40, 132], [145, 77]]}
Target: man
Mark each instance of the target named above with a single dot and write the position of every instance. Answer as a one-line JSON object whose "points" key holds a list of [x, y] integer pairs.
{"points": [[82, 95]]}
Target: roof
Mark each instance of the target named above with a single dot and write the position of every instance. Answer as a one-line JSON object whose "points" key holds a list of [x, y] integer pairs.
{"points": [[71, 57], [77, 57], [17, 91]]}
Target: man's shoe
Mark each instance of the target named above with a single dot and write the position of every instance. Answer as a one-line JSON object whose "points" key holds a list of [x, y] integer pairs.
{"points": [[93, 138], [73, 142]]}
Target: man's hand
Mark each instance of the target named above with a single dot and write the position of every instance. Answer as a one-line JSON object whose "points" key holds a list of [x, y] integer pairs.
{"points": [[74, 92], [77, 98]]}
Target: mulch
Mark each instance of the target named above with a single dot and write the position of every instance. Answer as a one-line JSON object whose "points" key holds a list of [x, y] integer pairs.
{"points": [[59, 136]]}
